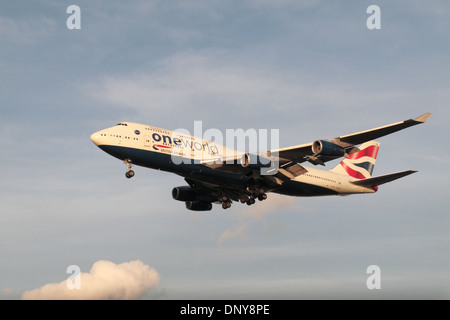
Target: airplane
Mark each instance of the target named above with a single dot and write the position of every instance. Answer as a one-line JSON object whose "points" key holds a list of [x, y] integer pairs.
{"points": [[216, 174]]}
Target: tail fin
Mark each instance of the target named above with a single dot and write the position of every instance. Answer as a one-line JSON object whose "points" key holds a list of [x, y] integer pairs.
{"points": [[360, 161]]}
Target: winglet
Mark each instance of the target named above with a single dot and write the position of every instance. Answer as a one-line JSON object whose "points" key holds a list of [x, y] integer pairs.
{"points": [[423, 118]]}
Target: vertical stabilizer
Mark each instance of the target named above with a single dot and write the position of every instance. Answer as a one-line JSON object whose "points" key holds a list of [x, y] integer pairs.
{"points": [[360, 161]]}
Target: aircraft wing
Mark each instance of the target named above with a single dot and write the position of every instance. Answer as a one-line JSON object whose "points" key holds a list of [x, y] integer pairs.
{"points": [[289, 158], [304, 152], [284, 171]]}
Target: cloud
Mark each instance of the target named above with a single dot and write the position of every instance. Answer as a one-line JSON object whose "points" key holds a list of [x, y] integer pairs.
{"points": [[249, 92], [249, 216], [240, 232], [106, 280], [28, 31], [273, 203], [190, 80]]}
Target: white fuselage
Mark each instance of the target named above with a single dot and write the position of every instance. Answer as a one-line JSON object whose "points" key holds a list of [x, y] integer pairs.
{"points": [[167, 150]]}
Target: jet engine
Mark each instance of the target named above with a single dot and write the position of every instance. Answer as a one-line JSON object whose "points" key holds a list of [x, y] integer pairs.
{"points": [[198, 205], [254, 161], [184, 193], [326, 148]]}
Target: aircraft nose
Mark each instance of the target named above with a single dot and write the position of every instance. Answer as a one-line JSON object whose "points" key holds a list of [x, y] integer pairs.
{"points": [[95, 137]]}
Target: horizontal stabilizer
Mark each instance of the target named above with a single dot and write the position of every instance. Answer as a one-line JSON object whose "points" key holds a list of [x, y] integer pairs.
{"points": [[374, 182]]}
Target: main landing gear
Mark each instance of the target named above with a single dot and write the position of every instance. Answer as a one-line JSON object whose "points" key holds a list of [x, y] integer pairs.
{"points": [[130, 173], [226, 205], [252, 194], [249, 197], [226, 202], [249, 200]]}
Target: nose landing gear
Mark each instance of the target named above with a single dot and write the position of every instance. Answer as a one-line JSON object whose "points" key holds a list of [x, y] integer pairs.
{"points": [[130, 173]]}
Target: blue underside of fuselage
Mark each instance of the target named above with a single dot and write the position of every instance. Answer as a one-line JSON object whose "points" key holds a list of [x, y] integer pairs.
{"points": [[186, 168]]}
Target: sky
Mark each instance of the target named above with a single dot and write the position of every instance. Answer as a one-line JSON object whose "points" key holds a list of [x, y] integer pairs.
{"points": [[311, 69]]}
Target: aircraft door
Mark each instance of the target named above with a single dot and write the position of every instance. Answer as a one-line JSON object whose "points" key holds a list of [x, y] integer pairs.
{"points": [[338, 183], [147, 141]]}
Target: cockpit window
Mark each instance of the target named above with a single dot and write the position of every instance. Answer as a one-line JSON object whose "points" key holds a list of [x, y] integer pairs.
{"points": [[122, 124]]}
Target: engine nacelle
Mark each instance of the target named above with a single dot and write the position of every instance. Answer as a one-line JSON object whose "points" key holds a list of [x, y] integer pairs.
{"points": [[326, 148], [184, 193], [253, 161], [198, 205]]}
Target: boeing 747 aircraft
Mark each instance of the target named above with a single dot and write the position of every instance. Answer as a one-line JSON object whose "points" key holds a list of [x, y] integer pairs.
{"points": [[217, 174]]}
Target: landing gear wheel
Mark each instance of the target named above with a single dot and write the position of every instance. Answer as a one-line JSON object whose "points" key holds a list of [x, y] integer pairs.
{"points": [[250, 201], [226, 205], [129, 174], [244, 198], [262, 197]]}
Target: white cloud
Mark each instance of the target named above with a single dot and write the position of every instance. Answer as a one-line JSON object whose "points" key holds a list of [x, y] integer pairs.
{"points": [[240, 232], [106, 280], [193, 84], [28, 31], [189, 81], [249, 216]]}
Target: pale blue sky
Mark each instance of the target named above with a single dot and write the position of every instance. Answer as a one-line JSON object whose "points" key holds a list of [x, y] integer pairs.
{"points": [[311, 69]]}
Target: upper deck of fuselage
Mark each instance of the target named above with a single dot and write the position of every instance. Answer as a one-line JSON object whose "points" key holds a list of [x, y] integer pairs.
{"points": [[124, 131], [128, 133]]}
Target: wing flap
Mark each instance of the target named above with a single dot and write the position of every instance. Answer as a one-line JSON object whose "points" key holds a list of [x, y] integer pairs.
{"points": [[288, 172], [284, 172]]}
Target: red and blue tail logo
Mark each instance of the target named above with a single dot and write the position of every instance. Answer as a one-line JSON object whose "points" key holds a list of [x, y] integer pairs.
{"points": [[359, 164]]}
